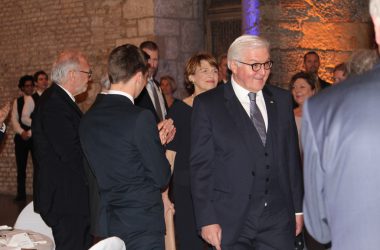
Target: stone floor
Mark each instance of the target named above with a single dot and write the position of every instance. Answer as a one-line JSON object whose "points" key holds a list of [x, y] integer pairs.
{"points": [[9, 209]]}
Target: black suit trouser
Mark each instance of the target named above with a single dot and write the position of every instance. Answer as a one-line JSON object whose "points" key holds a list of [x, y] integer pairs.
{"points": [[152, 240], [22, 149], [184, 219], [267, 231], [71, 232]]}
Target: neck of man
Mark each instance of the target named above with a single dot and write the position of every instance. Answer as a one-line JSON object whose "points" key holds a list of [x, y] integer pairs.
{"points": [[125, 87]]}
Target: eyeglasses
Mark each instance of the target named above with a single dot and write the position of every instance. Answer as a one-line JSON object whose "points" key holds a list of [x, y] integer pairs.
{"points": [[257, 66], [89, 73]]}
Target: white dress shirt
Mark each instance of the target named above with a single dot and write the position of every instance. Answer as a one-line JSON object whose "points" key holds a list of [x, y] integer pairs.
{"points": [[28, 109], [15, 118], [242, 95], [117, 92], [151, 84]]}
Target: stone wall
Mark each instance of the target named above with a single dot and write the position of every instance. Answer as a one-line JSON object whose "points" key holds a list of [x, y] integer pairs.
{"points": [[34, 32], [331, 28]]}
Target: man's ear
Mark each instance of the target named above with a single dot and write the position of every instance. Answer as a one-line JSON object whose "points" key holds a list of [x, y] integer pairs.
{"points": [[376, 24], [233, 66]]}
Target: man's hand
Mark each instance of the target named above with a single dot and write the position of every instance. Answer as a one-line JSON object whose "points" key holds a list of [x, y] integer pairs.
{"points": [[166, 131], [168, 205], [25, 135], [299, 224], [213, 235], [4, 112]]}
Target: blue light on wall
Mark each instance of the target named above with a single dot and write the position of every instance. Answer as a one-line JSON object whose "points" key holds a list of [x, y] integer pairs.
{"points": [[251, 16]]}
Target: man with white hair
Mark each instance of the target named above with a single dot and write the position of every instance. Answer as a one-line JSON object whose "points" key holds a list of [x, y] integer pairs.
{"points": [[61, 183], [341, 140], [245, 163]]}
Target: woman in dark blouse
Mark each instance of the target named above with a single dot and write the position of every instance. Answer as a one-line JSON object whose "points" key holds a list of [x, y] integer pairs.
{"points": [[201, 74]]}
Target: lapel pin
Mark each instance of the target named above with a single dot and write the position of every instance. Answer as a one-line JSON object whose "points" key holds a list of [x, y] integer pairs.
{"points": [[271, 101]]}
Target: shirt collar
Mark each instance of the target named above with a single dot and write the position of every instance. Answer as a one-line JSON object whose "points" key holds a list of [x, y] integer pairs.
{"points": [[67, 92], [118, 92], [242, 93]]}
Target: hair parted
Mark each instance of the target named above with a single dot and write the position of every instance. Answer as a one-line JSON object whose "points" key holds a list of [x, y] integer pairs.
{"points": [[124, 62]]}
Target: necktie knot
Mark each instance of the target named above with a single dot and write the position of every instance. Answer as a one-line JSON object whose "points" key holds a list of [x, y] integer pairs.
{"points": [[151, 82], [252, 96]]}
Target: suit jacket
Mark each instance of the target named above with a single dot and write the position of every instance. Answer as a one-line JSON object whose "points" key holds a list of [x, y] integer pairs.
{"points": [[340, 135], [60, 179], [121, 143], [144, 101], [94, 198], [223, 156]]}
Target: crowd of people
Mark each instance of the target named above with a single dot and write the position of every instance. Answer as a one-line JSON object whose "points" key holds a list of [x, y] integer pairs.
{"points": [[227, 160]]}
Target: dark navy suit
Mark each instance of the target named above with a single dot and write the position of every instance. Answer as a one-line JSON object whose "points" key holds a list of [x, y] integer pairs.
{"points": [[234, 177], [121, 144]]}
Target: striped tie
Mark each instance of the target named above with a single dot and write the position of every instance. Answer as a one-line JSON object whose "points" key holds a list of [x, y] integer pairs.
{"points": [[257, 117]]}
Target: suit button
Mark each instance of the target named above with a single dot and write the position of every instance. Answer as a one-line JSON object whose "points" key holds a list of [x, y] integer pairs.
{"points": [[267, 179], [266, 154], [249, 197], [268, 167], [253, 173], [266, 191]]}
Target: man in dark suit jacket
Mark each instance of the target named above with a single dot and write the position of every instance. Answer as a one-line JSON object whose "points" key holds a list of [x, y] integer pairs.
{"points": [[123, 148], [151, 96], [245, 164], [340, 135], [61, 183]]}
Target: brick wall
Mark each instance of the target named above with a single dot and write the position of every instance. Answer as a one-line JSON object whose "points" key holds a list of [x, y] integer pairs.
{"points": [[331, 28], [34, 32]]}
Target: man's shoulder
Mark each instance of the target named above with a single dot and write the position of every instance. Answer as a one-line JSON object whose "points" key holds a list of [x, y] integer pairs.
{"points": [[353, 90], [276, 92], [213, 94]]}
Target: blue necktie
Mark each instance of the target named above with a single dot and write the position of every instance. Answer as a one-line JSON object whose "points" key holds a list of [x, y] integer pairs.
{"points": [[257, 117]]}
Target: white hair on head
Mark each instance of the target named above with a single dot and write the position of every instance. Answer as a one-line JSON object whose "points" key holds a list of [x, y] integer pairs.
{"points": [[374, 8], [244, 42], [67, 61]]}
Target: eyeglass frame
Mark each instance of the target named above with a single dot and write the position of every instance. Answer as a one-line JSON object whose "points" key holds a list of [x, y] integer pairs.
{"points": [[89, 73], [260, 64]]}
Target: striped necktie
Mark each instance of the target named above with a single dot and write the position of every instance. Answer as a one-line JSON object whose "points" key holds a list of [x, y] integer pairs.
{"points": [[257, 117]]}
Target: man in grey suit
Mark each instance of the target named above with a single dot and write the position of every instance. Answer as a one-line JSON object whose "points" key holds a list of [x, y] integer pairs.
{"points": [[341, 139]]}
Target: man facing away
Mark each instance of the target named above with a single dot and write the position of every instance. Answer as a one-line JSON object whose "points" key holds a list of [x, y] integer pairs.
{"points": [[245, 164], [123, 148], [61, 184], [341, 139]]}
